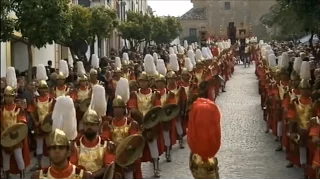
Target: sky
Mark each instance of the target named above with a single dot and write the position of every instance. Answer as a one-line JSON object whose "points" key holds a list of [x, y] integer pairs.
{"points": [[170, 7]]}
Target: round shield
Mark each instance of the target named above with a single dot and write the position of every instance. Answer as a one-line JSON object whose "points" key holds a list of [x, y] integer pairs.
{"points": [[153, 117], [137, 116], [108, 173], [129, 150], [14, 135], [171, 111], [46, 125], [84, 104]]}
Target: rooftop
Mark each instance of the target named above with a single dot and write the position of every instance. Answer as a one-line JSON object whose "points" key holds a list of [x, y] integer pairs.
{"points": [[194, 14]]}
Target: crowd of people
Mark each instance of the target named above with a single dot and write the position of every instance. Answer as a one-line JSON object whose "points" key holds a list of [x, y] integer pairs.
{"points": [[289, 88], [105, 121]]}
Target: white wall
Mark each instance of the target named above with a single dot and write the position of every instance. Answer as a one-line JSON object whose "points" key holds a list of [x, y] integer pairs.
{"points": [[3, 59], [43, 55], [20, 56]]}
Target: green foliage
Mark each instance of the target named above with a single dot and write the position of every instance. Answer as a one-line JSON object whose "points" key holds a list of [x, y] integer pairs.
{"points": [[165, 29], [7, 23], [294, 17], [104, 21], [132, 29], [42, 21]]}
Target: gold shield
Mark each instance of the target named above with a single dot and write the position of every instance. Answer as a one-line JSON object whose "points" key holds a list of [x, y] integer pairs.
{"points": [[171, 111], [129, 150], [153, 117], [108, 173], [46, 125], [14, 135], [84, 104]]}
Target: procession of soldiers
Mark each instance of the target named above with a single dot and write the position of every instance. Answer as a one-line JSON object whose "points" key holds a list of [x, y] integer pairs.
{"points": [[105, 120], [289, 88]]}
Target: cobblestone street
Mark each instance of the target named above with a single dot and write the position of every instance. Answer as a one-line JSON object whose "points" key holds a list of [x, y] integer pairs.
{"points": [[247, 152]]}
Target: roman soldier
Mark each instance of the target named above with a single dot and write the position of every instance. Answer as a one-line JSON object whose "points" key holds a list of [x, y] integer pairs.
{"points": [[199, 67], [61, 87], [59, 149], [119, 130], [126, 71], [81, 95], [186, 76], [204, 139], [15, 150], [98, 101], [142, 101], [95, 71], [299, 124], [41, 110], [92, 152], [284, 97], [314, 132]]}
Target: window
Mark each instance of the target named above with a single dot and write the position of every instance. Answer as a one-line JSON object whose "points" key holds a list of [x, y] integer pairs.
{"points": [[192, 32], [227, 6]]}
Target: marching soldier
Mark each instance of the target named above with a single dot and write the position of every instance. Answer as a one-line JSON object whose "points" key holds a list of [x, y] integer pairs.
{"points": [[61, 87], [315, 139], [81, 95], [199, 67], [95, 71], [119, 130], [15, 151], [127, 72], [40, 110], [204, 139], [141, 102], [92, 152], [299, 125]]}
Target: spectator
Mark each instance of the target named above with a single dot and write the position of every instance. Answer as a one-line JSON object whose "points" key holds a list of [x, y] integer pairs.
{"points": [[49, 68]]}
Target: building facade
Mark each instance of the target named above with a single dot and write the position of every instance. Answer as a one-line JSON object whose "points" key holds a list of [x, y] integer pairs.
{"points": [[214, 17], [15, 53]]}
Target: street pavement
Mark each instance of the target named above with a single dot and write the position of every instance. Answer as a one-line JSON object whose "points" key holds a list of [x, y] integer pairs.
{"points": [[246, 152]]}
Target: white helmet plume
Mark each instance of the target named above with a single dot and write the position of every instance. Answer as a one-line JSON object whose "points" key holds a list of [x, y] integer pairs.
{"points": [[191, 55], [11, 78], [149, 66], [41, 73], [122, 89], [199, 55], [125, 57], [284, 60], [297, 64], [95, 61], [161, 67], [188, 64], [209, 53], [80, 69], [272, 60], [305, 70], [118, 62], [181, 50], [171, 51], [185, 44], [98, 100], [204, 53], [63, 67], [155, 58], [64, 117], [173, 62]]}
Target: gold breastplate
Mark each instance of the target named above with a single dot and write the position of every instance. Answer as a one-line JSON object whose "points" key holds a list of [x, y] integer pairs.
{"points": [[43, 108], [83, 94], [144, 102], [9, 117], [176, 93], [282, 90], [304, 114], [119, 133], [61, 92], [293, 95], [163, 98], [92, 158], [199, 77], [72, 176]]}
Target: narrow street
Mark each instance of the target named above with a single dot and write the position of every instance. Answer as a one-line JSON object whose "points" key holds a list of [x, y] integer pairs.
{"points": [[246, 152]]}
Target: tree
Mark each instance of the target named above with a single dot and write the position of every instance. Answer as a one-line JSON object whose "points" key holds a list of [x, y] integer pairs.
{"points": [[40, 22], [7, 22], [174, 27], [165, 29], [133, 29]]}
